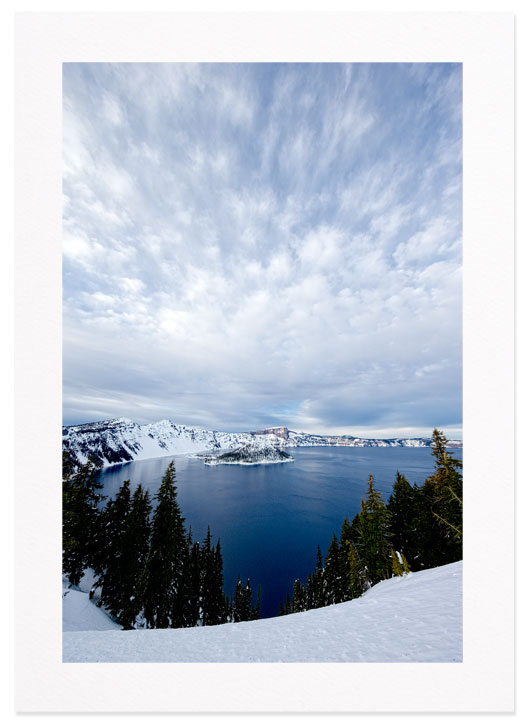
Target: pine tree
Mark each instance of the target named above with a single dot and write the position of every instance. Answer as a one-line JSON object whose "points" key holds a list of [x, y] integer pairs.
{"points": [[397, 566], [356, 580], [135, 549], [448, 482], [310, 592], [121, 561], [111, 565], [256, 611], [70, 463], [318, 595], [164, 604], [206, 560], [374, 534], [332, 574], [406, 566], [237, 606], [344, 548], [428, 548], [193, 583], [402, 509], [212, 597], [298, 597], [242, 602], [438, 510], [80, 516]]}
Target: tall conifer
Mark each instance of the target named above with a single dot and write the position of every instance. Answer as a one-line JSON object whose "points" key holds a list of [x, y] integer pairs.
{"points": [[298, 597], [167, 560], [211, 581], [332, 574], [344, 548], [374, 535], [242, 602], [356, 579], [112, 565], [80, 516], [401, 506], [135, 549]]}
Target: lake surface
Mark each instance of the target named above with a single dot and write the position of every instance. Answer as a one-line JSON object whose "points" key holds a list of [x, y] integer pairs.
{"points": [[270, 518]]}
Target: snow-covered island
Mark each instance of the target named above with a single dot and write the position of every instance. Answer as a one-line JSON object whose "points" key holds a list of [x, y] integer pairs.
{"points": [[249, 455]]}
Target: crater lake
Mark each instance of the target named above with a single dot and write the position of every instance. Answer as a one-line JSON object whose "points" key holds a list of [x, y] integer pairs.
{"points": [[271, 518]]}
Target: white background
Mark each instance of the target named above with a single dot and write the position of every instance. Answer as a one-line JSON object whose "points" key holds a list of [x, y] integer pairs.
{"points": [[484, 681]]}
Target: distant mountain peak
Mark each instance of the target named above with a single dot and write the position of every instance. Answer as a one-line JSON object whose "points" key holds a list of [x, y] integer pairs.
{"points": [[280, 431]]}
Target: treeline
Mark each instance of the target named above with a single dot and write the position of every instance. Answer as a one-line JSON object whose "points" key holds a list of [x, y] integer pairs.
{"points": [[149, 571], [420, 527]]}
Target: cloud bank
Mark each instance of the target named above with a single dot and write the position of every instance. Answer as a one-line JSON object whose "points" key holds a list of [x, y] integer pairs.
{"points": [[249, 245]]}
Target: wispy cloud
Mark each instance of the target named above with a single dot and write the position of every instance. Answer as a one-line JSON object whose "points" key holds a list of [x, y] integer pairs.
{"points": [[255, 244]]}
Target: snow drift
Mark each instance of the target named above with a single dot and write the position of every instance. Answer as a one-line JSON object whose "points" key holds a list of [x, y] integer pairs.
{"points": [[415, 618]]}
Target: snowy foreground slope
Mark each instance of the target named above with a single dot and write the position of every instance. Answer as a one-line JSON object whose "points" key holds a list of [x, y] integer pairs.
{"points": [[416, 618]]}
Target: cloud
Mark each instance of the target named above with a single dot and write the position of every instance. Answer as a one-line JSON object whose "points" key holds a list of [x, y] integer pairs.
{"points": [[249, 245]]}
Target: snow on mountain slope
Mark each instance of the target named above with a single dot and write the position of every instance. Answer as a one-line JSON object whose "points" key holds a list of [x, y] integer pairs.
{"points": [[120, 440], [416, 618]]}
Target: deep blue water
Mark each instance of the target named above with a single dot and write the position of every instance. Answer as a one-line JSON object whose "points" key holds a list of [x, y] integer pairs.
{"points": [[270, 518]]}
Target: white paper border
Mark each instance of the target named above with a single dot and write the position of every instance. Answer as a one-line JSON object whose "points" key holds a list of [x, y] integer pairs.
{"points": [[484, 44]]}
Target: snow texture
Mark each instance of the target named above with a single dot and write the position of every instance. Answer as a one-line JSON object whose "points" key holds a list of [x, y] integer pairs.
{"points": [[414, 618], [79, 612]]}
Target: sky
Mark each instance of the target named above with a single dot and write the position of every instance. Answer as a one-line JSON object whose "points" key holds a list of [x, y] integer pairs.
{"points": [[254, 245]]}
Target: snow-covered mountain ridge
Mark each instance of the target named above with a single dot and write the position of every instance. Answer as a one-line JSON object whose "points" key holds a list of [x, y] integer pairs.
{"points": [[121, 439], [414, 618]]}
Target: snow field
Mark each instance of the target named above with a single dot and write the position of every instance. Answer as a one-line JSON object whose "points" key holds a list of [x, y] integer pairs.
{"points": [[415, 618]]}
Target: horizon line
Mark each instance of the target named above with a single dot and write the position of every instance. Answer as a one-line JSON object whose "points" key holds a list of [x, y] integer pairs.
{"points": [[260, 429]]}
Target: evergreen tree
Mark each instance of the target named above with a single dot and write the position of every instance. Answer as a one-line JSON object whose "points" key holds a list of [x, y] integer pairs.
{"points": [[448, 482], [318, 596], [332, 574], [310, 592], [374, 534], [256, 612], [228, 605], [193, 583], [238, 612], [406, 566], [80, 516], [135, 549], [70, 463], [298, 597], [438, 510], [397, 566], [428, 548], [111, 564], [164, 604], [242, 610], [356, 580], [344, 550], [212, 597], [401, 506]]}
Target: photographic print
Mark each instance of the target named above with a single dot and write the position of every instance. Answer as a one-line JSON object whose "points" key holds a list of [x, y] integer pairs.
{"points": [[262, 362]]}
